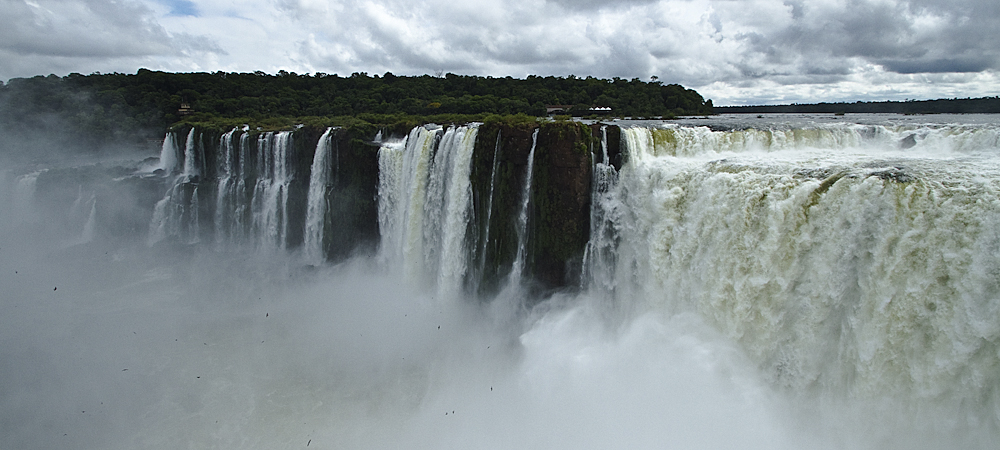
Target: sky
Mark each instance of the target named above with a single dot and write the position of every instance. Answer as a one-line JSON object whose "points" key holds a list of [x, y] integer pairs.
{"points": [[732, 51]]}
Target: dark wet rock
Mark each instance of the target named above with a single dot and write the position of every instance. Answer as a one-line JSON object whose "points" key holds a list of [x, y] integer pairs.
{"points": [[561, 203], [896, 174], [816, 174]]}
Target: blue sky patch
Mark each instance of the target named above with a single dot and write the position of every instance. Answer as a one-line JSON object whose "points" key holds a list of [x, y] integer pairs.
{"points": [[181, 7]]}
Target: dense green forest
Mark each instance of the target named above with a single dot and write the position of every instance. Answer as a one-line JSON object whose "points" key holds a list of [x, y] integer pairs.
{"points": [[942, 106], [100, 109]]}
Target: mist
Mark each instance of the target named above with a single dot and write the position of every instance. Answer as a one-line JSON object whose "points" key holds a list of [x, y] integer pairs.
{"points": [[110, 347]]}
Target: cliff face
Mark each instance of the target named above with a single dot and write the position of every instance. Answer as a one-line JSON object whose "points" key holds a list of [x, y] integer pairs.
{"points": [[351, 196], [560, 203], [558, 214], [498, 170], [254, 186]]}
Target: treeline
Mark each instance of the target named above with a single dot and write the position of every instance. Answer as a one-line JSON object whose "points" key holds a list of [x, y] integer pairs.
{"points": [[102, 108], [941, 106]]}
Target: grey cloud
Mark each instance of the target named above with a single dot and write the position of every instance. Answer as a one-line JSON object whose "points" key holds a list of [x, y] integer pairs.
{"points": [[894, 35], [796, 7], [599, 4], [858, 29], [836, 69], [942, 65]]}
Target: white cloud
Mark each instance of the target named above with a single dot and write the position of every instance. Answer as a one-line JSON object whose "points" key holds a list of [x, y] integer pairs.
{"points": [[44, 36]]}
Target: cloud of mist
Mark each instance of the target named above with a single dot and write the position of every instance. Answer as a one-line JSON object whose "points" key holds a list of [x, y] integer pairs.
{"points": [[186, 349], [109, 343]]}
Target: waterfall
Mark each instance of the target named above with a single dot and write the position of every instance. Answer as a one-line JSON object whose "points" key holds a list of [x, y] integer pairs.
{"points": [[489, 206], [166, 215], [869, 270], [87, 234], [425, 202], [260, 216], [24, 196], [458, 207], [319, 178], [517, 270], [83, 213], [226, 189], [403, 174], [391, 203], [241, 205], [605, 214], [193, 226], [269, 206], [192, 162], [687, 141], [168, 154], [177, 213]]}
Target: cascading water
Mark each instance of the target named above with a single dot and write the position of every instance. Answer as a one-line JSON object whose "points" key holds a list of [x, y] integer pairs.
{"points": [[176, 215], [239, 222], [238, 217], [489, 207], [24, 195], [319, 178], [840, 260], [168, 154], [192, 156], [517, 270], [392, 186], [160, 226], [226, 189], [89, 227], [457, 146], [270, 198], [83, 212], [605, 216], [193, 227], [425, 202]]}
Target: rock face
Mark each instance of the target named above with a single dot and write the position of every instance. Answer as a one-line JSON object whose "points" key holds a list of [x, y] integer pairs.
{"points": [[554, 235], [499, 167], [560, 203], [352, 210], [558, 219]]}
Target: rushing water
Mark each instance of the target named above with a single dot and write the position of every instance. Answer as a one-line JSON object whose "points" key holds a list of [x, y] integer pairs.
{"points": [[517, 271], [844, 258], [425, 182], [320, 177], [784, 282]]}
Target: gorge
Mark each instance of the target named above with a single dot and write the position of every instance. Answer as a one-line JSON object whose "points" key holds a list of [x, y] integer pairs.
{"points": [[787, 281]]}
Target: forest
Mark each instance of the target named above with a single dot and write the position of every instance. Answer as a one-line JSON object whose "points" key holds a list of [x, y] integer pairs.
{"points": [[940, 106], [99, 110]]}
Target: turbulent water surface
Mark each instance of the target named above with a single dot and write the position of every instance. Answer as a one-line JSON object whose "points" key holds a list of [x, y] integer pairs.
{"points": [[775, 282]]}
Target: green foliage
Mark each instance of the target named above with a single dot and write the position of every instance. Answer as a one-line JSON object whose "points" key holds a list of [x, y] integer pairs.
{"points": [[116, 107], [518, 120], [940, 106]]}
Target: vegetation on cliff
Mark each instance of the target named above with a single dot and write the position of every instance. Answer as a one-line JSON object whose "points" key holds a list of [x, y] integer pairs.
{"points": [[100, 109], [940, 106]]}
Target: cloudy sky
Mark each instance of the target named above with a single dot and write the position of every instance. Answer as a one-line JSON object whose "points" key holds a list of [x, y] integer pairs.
{"points": [[732, 51]]}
